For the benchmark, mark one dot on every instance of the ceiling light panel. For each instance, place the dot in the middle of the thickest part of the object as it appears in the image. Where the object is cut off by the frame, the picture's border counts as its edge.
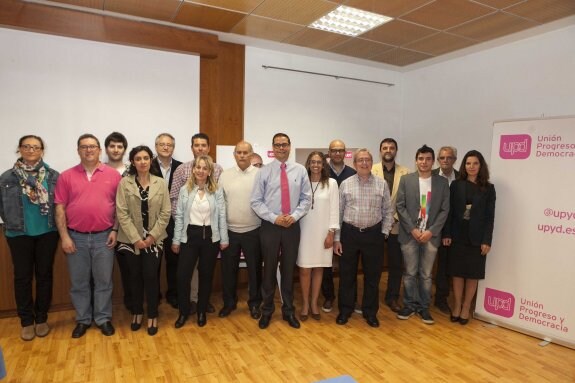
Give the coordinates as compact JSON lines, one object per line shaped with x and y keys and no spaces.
{"x":349,"y":21}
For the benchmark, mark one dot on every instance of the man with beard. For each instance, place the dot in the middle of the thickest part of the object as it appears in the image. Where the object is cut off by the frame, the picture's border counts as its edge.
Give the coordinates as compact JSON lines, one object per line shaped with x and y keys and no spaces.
{"x":391,"y":172}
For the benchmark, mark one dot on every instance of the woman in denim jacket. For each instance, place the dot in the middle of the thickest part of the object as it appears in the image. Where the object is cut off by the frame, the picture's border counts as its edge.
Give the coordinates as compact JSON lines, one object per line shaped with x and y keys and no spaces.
{"x":200,"y":232}
{"x":27,"y":209}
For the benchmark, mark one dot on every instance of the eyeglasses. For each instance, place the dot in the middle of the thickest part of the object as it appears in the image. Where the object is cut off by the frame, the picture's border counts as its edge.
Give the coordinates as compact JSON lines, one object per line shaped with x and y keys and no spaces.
{"x":165,"y":145}
{"x":337,"y":151}
{"x":88,"y":147}
{"x":448,"y":158}
{"x":33,"y":148}
{"x":282,"y":145}
{"x":364,"y":160}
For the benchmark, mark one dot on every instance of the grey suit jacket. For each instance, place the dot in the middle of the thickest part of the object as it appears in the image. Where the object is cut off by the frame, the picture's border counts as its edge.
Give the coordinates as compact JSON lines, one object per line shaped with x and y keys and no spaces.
{"x":408,"y":206}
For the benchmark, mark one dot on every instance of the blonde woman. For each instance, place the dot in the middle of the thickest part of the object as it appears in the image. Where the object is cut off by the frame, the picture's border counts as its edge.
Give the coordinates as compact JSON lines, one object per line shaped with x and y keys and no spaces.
{"x":200,"y":233}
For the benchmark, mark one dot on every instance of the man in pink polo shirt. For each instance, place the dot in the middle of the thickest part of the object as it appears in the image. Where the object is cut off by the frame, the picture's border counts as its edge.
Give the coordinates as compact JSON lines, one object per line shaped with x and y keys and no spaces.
{"x":85,"y":200}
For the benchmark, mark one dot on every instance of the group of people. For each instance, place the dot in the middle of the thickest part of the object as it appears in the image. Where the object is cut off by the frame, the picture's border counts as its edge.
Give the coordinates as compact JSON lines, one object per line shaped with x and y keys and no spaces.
{"x":277,"y":216}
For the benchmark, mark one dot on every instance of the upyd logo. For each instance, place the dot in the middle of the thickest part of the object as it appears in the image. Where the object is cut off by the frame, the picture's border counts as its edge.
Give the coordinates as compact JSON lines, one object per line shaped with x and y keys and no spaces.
{"x":515,"y":146}
{"x":499,"y":302}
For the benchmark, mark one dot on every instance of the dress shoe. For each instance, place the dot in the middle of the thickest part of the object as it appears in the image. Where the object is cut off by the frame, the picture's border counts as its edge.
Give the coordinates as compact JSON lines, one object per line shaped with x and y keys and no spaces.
{"x":153,"y":328}
{"x":202,"y":319}
{"x":342,"y":319}
{"x":42,"y":329}
{"x":463,"y":321}
{"x":255,"y":312}
{"x":454,"y":319}
{"x":303,"y":317}
{"x":136,"y":322}
{"x":291,"y":319}
{"x":226,"y":310}
{"x":265,"y":321}
{"x":80,"y":330}
{"x":27,"y":332}
{"x":181,"y":321}
{"x":210,"y":309}
{"x":107,"y":329}
{"x":327,"y":306}
{"x":371,"y":320}
{"x":394,"y":306}
{"x":314,"y":316}
{"x":193,"y":308}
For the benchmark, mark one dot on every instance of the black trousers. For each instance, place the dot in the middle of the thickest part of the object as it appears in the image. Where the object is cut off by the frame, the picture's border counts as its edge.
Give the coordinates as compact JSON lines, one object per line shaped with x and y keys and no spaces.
{"x":199,"y":248}
{"x":327,"y":287}
{"x":276,"y":240}
{"x":441,"y":277}
{"x":394,"y":269}
{"x":33,"y":257}
{"x":171,"y":264}
{"x":249,"y":243}
{"x":369,"y":245}
{"x":143,"y":276}
{"x":124,"y":266}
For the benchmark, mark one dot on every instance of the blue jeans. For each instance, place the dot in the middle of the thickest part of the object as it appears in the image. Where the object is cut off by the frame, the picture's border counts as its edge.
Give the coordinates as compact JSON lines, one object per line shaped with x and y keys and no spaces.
{"x":418,"y":259}
{"x":92,"y":257}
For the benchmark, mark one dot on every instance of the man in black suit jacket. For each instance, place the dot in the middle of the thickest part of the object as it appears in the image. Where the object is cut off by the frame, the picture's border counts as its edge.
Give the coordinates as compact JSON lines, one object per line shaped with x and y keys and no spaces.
{"x":163,"y":165}
{"x":446,"y":159}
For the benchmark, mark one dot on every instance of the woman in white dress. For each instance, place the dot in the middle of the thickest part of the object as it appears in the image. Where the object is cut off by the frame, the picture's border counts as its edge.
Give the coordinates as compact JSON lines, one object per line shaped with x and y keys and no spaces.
{"x":317,"y":230}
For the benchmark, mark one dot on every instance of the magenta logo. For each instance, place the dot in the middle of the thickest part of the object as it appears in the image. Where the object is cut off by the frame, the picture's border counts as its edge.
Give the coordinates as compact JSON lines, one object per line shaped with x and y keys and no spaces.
{"x":499,"y":302}
{"x":515,"y":146}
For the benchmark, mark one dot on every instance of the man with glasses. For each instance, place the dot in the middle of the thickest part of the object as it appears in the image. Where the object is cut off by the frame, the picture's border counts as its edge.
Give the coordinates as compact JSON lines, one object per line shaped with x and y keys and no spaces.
{"x":366,"y":218}
{"x":392,"y":172}
{"x":85,"y":198}
{"x":339,"y":171}
{"x":164,"y":165}
{"x":446,"y":160}
{"x":200,"y":147}
{"x":422,"y":207}
{"x":281,"y":197}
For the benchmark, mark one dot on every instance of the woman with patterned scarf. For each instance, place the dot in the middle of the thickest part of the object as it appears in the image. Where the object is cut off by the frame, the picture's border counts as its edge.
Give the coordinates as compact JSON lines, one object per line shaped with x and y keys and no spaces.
{"x":27,"y":209}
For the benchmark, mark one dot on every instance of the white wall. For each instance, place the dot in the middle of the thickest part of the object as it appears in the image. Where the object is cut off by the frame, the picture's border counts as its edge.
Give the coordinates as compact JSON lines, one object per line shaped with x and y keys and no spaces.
{"x":456,"y":102}
{"x":59,"y":88}
{"x":313,"y":110}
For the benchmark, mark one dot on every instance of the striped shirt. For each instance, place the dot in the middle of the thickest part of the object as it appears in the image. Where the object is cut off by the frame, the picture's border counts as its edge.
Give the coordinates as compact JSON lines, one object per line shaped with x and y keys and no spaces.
{"x":365,"y":203}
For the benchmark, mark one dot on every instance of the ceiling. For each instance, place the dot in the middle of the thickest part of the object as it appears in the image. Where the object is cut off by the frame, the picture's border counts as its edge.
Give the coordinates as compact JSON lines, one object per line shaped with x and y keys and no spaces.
{"x":420,"y":29}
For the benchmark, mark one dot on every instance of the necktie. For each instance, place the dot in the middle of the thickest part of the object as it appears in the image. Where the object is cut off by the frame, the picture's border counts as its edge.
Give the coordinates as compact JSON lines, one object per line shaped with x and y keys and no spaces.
{"x":286,"y":209}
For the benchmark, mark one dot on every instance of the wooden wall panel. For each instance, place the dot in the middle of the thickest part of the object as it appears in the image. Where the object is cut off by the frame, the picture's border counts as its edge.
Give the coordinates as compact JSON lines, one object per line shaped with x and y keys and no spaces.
{"x":222,"y":96}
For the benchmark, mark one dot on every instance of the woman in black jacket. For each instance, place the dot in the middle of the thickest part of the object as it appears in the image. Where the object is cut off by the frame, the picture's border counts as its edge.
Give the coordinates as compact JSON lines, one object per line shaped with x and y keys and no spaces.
{"x":469,"y":230}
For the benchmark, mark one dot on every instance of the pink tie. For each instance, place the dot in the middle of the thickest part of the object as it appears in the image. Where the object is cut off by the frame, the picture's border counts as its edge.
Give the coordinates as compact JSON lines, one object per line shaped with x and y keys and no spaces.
{"x":286,"y":209}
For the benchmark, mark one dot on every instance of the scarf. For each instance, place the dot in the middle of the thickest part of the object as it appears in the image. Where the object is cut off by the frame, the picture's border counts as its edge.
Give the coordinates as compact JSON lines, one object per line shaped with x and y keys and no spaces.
{"x":30,"y":178}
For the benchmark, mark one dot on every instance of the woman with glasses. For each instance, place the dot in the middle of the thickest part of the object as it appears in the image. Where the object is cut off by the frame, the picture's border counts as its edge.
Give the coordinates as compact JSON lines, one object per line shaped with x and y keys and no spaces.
{"x":27,"y":209}
{"x":318,"y":227}
{"x":200,"y":232}
{"x":469,"y":230}
{"x":143,"y":212}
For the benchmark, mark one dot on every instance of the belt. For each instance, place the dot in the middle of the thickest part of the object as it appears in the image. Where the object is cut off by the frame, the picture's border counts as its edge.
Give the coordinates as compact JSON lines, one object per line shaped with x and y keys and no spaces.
{"x":375,"y":227}
{"x":89,"y":232}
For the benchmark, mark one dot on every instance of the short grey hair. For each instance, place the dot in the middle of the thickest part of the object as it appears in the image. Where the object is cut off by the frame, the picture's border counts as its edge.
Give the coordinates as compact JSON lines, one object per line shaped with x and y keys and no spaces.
{"x":451,"y":148}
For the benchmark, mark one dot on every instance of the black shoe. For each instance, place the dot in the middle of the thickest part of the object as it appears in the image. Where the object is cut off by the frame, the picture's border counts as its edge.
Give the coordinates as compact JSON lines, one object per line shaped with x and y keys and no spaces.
{"x":443,"y":307}
{"x":153,"y":329}
{"x":226,"y":310}
{"x":454,"y":319}
{"x":80,"y":330}
{"x":292,"y":320}
{"x":210,"y":309}
{"x":107,"y":329}
{"x":371,"y":320}
{"x":135,"y":326}
{"x":202,"y":319}
{"x":463,"y":321}
{"x":193,"y":308}
{"x":265,"y":321}
{"x":341,"y":319}
{"x":255,"y":312}
{"x":181,"y":321}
